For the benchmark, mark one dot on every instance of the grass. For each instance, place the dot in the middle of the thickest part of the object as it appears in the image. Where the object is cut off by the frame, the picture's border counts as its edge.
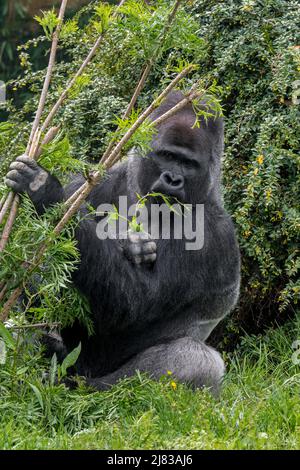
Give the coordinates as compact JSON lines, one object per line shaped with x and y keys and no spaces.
{"x":259,"y":407}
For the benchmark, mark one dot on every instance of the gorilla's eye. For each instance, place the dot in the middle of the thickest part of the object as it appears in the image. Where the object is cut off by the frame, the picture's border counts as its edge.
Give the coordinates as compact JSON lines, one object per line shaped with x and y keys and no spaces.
{"x":191,"y":164}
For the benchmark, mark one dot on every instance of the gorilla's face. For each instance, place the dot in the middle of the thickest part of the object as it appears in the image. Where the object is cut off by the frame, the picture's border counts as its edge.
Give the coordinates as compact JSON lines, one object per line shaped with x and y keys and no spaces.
{"x":178,"y":165}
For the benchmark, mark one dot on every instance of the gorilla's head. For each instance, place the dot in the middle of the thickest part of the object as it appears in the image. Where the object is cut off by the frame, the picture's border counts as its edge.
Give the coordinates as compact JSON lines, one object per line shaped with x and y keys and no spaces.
{"x":185,"y":160}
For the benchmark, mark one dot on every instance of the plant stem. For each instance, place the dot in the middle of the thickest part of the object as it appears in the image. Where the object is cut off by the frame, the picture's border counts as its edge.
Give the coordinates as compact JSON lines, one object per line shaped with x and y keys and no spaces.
{"x":6,"y":206}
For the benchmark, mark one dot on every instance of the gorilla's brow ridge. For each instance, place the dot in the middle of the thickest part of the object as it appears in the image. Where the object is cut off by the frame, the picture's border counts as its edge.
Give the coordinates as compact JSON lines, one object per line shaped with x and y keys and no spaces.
{"x":176,"y":152}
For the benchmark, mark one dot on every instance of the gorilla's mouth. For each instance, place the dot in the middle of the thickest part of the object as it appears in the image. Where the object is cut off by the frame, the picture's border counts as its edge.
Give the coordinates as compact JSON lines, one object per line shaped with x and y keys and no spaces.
{"x":174,"y":192}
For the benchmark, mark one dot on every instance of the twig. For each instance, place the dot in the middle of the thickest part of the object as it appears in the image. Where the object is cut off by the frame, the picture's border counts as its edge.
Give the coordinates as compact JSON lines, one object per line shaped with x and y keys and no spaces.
{"x":6,"y":206}
{"x":48,"y":77}
{"x":9,"y":223}
{"x":146,"y":114}
{"x":2,"y":201}
{"x":35,"y":325}
{"x":51,"y":134}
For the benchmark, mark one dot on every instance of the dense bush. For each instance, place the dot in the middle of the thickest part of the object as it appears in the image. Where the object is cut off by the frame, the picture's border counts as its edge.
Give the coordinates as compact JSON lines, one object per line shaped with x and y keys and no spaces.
{"x":254,"y":53}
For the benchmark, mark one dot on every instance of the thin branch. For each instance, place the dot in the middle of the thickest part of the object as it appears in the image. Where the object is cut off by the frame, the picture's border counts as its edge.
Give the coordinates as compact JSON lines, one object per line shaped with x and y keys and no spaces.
{"x":153,"y":59}
{"x":51,"y":134}
{"x":6,"y":206}
{"x":35,"y":134}
{"x":35,"y":325}
{"x":146,"y":114}
{"x":79,"y":72}
{"x":48,"y":77}
{"x":146,"y":71}
{"x":2,"y":201}
{"x":9,"y":223}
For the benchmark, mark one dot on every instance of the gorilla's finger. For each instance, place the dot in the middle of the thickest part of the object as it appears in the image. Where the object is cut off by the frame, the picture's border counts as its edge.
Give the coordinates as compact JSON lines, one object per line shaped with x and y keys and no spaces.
{"x":13,"y":175}
{"x":149,"y":247}
{"x":136,"y":237}
{"x":133,"y":237}
{"x":13,"y":185}
{"x":20,"y":166}
{"x":28,"y":161}
{"x":149,"y":258}
{"x":144,"y":236}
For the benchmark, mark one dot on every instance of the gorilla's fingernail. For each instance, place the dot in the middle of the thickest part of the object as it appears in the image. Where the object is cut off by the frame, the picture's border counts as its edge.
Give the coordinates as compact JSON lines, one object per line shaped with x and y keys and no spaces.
{"x":150,"y":258}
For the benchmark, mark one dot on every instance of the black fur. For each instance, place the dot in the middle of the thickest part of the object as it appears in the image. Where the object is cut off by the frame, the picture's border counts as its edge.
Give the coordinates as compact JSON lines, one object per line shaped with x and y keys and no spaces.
{"x":153,"y":317}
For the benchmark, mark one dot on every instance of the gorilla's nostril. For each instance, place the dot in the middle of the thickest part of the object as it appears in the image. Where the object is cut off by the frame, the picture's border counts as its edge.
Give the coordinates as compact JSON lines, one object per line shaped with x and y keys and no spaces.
{"x":176,"y":181}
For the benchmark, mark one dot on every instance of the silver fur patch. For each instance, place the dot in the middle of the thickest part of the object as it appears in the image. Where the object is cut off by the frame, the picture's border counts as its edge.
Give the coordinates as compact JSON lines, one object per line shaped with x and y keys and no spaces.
{"x":39,"y":181}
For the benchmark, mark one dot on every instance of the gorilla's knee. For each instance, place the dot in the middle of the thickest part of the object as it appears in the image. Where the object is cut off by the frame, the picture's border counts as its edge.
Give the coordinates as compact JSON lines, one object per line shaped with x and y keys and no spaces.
{"x":198,"y":364}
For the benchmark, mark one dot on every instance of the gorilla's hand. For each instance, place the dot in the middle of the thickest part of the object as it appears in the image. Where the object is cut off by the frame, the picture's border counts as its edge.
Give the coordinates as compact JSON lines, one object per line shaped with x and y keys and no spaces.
{"x":26,"y":176}
{"x":139,"y":248}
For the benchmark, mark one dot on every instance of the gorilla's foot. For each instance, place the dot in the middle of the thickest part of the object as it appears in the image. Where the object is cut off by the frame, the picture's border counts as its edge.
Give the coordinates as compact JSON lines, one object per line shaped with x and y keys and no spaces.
{"x":191,"y":362}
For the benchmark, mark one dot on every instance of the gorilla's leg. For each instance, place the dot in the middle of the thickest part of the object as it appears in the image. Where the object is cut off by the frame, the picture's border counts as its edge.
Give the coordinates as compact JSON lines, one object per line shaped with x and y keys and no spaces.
{"x":190,"y":361}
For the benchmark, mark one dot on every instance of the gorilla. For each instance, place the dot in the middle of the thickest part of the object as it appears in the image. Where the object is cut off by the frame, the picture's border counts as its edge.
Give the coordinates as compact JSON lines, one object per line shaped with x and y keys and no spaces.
{"x":153,"y":302}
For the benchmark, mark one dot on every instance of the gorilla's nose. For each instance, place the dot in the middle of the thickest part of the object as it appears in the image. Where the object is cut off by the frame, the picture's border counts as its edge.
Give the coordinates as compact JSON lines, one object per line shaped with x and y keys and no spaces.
{"x":172,"y":181}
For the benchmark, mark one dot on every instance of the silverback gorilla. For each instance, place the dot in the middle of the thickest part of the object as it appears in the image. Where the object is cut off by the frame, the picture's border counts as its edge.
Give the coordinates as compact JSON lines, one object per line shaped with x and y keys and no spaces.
{"x":154,"y":303}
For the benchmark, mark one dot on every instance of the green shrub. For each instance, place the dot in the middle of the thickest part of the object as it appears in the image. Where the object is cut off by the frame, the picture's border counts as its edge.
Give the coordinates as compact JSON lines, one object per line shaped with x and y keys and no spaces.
{"x":254,"y":54}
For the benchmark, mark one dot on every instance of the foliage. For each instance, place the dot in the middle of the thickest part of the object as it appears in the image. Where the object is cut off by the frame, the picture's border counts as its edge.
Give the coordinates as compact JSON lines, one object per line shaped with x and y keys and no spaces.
{"x":48,"y":21}
{"x":254,"y":55}
{"x":258,"y":409}
{"x":9,"y":23}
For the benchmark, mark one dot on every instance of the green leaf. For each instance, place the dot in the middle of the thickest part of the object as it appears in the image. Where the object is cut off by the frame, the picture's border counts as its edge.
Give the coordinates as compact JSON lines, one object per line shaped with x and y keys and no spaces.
{"x":2,"y":352}
{"x":70,"y":360}
{"x":7,"y":337}
{"x":53,"y":369}
{"x":37,"y":394}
